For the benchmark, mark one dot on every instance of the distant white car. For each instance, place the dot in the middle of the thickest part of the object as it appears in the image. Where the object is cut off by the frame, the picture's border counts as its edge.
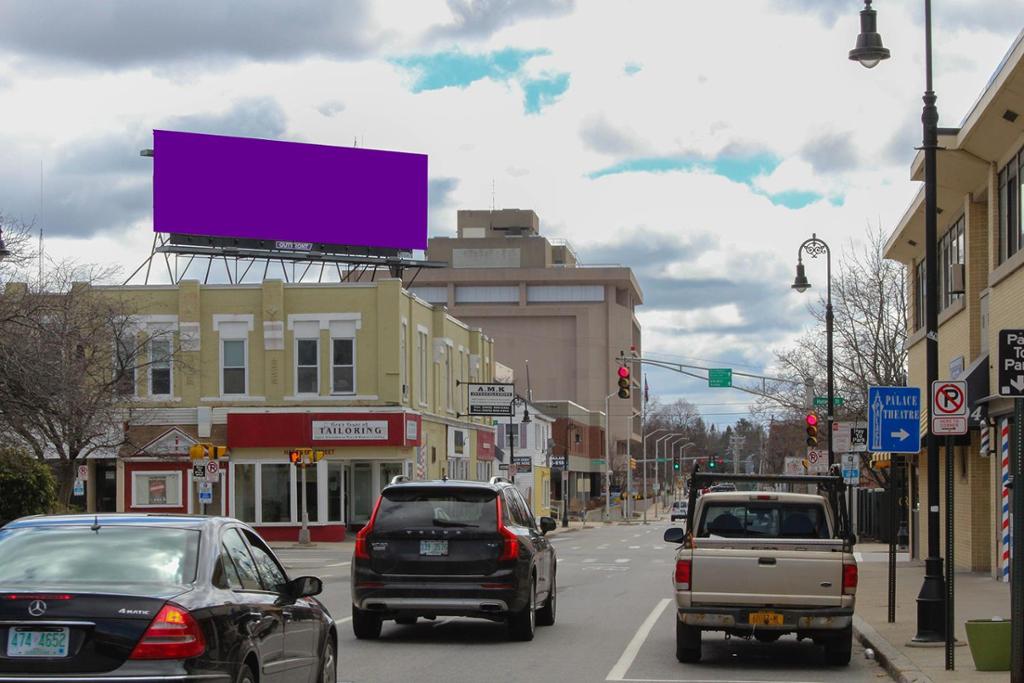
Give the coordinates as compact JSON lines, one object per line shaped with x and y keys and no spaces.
{"x":679,"y":510}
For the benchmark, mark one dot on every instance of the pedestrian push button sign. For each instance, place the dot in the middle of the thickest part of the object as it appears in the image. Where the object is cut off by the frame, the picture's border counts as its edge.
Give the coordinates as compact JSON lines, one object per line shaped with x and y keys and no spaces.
{"x":894,"y":419}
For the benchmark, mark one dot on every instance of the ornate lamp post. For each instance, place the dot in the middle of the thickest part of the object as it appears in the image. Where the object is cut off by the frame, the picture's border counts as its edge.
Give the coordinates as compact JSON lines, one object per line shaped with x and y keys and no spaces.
{"x":931,"y":601}
{"x":815,"y":247}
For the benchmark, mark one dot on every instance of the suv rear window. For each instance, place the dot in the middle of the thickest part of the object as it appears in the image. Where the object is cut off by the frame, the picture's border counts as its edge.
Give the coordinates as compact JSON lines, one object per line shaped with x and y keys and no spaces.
{"x":417,"y":508}
{"x":763,"y":520}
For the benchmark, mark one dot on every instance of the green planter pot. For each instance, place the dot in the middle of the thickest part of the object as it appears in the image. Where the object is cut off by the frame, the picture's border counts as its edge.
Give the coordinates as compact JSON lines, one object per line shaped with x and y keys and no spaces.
{"x":990,"y":644}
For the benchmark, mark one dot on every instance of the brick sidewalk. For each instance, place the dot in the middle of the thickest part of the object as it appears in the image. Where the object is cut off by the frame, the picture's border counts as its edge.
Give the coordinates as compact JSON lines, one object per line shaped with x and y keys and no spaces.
{"x":978,"y":596}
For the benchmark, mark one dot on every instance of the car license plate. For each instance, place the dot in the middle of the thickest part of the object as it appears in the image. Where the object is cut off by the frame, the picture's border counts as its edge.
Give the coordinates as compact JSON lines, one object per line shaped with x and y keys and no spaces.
{"x":24,"y":641}
{"x":434,"y":548}
{"x":765,"y":619}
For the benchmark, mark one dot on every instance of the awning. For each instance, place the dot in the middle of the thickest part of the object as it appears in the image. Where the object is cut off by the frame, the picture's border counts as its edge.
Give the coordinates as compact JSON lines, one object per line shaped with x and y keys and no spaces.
{"x":976,"y":377}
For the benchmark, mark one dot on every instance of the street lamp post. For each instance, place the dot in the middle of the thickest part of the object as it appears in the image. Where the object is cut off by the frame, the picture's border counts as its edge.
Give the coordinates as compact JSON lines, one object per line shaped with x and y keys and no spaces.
{"x":815,"y":247}
{"x":570,"y":428}
{"x":512,"y":438}
{"x":608,"y":457}
{"x":646,"y":437}
{"x":931,"y":601}
{"x":680,"y":457}
{"x":665,"y":450}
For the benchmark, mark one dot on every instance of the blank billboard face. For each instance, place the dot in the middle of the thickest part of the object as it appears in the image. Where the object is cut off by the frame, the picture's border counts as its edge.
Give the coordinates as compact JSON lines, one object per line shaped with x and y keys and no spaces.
{"x":218,"y":186}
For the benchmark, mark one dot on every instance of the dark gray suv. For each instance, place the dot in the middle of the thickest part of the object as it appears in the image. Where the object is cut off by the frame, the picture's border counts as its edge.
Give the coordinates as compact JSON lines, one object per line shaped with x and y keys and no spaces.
{"x":453,"y":548}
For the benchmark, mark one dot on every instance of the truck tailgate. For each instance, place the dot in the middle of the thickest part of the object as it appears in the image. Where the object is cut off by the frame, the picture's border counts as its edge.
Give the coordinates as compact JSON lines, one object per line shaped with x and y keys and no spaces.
{"x":782,"y":573}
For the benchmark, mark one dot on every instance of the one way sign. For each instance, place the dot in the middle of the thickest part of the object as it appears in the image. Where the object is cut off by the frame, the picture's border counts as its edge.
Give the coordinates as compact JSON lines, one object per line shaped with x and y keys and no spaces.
{"x":1011,"y":362}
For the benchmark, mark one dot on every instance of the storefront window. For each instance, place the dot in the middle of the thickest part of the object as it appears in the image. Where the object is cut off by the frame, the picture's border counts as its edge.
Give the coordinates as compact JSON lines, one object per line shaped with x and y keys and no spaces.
{"x":156,"y":488}
{"x":311,"y":498}
{"x":335,"y":481}
{"x":245,"y":492}
{"x":362,"y":492}
{"x":389,"y":471}
{"x":275,"y":504}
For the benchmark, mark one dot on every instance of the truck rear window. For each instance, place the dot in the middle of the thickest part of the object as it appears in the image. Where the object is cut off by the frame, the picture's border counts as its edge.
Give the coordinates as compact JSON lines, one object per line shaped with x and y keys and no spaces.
{"x":417,"y":509}
{"x":763,"y":520}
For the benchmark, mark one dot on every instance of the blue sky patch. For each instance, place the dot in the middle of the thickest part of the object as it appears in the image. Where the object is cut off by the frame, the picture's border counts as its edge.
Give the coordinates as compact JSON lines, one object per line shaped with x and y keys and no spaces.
{"x":459,"y":69}
{"x":632,"y":68}
{"x":794,"y":199}
{"x":540,"y":92}
{"x":738,"y":168}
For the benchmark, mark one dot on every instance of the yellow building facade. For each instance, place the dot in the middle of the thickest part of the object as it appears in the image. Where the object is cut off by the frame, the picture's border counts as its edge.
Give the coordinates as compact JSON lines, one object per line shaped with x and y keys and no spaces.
{"x":365,"y":373}
{"x":981,"y":291}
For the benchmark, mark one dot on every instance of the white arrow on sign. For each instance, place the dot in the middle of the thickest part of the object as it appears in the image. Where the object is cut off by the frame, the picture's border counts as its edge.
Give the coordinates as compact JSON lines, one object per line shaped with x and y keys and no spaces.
{"x":901,"y":435}
{"x":1018,"y":382}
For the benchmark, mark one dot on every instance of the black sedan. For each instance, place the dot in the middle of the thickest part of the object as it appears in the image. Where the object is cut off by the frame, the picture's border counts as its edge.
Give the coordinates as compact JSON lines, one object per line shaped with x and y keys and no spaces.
{"x":137,"y":597}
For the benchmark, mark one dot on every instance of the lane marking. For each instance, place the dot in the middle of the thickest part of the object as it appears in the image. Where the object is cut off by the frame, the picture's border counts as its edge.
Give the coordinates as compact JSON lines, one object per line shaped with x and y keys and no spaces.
{"x":634,"y":547}
{"x":859,"y":557}
{"x":659,"y":547}
{"x":575,"y":547}
{"x":342,"y":621}
{"x":590,"y":559}
{"x":700,"y":680}
{"x":622,"y":560}
{"x":618,"y":672}
{"x":560,"y":559}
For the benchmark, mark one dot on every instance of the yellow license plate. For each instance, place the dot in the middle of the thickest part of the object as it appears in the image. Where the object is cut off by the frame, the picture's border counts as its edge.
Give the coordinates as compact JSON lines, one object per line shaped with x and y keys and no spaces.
{"x":765,"y":619}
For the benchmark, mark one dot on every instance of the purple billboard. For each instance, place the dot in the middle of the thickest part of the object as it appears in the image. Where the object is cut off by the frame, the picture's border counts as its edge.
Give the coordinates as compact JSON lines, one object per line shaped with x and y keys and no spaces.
{"x":228,"y":187}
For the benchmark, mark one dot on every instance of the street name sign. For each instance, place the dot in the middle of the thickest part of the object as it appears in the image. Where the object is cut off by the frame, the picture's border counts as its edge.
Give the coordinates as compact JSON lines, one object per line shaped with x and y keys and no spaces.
{"x":850,"y":463}
{"x":949,"y":407}
{"x":491,"y":399}
{"x":720,"y":378}
{"x":820,"y":401}
{"x":1011,"y":362}
{"x":894,"y":419}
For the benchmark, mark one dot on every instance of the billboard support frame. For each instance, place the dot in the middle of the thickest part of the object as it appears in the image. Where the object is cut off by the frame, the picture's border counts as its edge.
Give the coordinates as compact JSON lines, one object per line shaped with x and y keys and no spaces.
{"x":396,"y":262}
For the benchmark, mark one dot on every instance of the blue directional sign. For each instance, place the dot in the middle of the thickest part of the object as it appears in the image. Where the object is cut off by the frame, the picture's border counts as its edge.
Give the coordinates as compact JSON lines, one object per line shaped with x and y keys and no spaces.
{"x":894,"y":419}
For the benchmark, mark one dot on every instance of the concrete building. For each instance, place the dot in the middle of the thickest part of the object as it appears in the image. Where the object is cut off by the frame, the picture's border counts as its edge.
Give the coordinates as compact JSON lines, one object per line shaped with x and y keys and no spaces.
{"x":533,"y":297}
{"x":365,"y":372}
{"x":981,"y":290}
{"x":580,"y":434}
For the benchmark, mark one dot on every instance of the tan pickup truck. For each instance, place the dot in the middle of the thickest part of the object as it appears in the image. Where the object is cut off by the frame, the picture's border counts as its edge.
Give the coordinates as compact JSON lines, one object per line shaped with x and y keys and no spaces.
{"x":764,"y":563}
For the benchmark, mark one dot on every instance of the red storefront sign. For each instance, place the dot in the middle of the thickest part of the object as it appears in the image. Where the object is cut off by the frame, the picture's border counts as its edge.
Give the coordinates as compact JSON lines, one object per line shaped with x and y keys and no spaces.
{"x":485,"y":445}
{"x":288,"y":430}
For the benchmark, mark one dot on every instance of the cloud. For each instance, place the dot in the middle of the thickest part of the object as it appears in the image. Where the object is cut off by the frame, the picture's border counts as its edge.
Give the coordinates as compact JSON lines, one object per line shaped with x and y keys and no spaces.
{"x":901,"y":146}
{"x":481,"y":18}
{"x":331,"y":108}
{"x":544,"y":91}
{"x":101,"y":184}
{"x":439,"y":205}
{"x":830,"y":152}
{"x":602,"y":137}
{"x":828,"y":11}
{"x":128,"y":33}
{"x":459,"y":69}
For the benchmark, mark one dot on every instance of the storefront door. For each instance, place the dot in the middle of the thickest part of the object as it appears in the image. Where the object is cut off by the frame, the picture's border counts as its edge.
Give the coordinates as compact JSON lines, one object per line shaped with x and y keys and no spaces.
{"x":363,"y":495}
{"x":105,"y":474}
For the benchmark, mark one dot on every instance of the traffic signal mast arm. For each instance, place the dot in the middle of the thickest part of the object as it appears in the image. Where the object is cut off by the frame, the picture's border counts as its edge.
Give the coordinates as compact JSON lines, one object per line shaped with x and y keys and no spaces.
{"x":678,"y":367}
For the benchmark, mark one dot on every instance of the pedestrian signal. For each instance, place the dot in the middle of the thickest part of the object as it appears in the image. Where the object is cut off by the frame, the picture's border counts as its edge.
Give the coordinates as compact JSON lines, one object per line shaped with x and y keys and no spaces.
{"x":295,"y":457}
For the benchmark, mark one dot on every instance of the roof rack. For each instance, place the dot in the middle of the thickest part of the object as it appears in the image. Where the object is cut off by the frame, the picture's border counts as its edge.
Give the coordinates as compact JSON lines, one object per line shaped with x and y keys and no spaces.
{"x":500,"y":480}
{"x":399,"y":479}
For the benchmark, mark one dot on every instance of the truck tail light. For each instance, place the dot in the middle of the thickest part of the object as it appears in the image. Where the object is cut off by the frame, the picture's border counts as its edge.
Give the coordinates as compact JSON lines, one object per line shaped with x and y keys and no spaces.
{"x":510,"y":542}
{"x":683,"y":574}
{"x":849,"y":579}
{"x":362,"y":552}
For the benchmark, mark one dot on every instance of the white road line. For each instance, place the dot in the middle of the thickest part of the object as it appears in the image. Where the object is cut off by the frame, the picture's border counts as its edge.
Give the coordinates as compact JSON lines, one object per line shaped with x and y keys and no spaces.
{"x":859,"y":557}
{"x":342,"y":621}
{"x":659,"y":547}
{"x":590,"y":559}
{"x":622,"y":560}
{"x":697,"y":680}
{"x":339,"y":564}
{"x":575,"y":547}
{"x":634,"y":547}
{"x":560,"y":559}
{"x":603,"y":547}
{"x":618,"y":672}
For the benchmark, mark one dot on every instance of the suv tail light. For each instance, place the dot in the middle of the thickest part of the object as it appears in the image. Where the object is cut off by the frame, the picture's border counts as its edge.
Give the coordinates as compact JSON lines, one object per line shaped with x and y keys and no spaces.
{"x":683,"y":574}
{"x":849,"y":579}
{"x":362,"y":552}
{"x":173,"y":634}
{"x":510,"y":544}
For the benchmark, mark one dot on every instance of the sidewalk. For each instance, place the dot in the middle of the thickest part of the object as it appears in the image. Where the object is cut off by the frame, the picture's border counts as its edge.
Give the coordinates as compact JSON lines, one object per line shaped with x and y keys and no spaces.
{"x":978,"y":596}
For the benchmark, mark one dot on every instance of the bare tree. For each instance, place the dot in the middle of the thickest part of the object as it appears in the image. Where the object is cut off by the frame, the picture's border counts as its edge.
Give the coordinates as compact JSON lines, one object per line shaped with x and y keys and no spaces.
{"x":69,"y":355}
{"x":17,"y":238}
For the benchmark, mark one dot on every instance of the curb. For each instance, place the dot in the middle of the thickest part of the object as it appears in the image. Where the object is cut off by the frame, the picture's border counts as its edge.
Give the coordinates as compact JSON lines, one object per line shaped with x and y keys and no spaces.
{"x":896,"y":664}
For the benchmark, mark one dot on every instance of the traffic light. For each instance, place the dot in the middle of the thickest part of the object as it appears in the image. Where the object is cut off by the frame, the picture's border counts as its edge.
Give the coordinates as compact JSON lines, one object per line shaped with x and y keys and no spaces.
{"x":295,"y":457}
{"x":624,"y":382}
{"x":675,"y":465}
{"x":711,"y":463}
{"x":318,"y":455}
{"x":218,"y":452}
{"x":632,"y":463}
{"x":197,"y":451}
{"x":812,"y":430}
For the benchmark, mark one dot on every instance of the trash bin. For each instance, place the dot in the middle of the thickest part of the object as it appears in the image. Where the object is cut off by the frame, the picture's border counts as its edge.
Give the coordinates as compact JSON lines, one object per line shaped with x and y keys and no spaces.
{"x":989,"y":640}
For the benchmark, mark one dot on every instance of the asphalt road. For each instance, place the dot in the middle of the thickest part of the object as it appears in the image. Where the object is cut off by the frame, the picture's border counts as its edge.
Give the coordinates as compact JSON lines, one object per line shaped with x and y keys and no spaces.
{"x":614,"y":623}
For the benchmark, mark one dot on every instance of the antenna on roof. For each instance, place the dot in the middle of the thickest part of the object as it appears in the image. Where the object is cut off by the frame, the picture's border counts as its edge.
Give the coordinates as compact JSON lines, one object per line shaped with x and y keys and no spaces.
{"x":95,"y":524}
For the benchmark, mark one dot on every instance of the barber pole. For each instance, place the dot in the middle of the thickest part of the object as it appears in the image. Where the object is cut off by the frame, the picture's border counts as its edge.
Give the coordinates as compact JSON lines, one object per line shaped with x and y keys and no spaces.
{"x":1004,"y":448}
{"x":985,"y":441}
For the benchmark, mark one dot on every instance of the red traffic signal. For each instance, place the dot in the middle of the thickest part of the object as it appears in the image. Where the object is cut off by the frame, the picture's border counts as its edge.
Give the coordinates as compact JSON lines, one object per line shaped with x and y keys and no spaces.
{"x":624,"y":382}
{"x":812,"y":430}
{"x":624,"y":372}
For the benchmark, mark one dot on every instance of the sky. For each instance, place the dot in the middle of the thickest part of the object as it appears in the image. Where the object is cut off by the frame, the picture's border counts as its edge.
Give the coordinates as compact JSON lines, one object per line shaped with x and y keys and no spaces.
{"x":697,"y":142}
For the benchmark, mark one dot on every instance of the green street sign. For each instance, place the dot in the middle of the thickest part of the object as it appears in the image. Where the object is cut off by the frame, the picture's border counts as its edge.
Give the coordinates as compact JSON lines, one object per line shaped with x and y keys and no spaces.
{"x":720,"y":378}
{"x":823,"y":401}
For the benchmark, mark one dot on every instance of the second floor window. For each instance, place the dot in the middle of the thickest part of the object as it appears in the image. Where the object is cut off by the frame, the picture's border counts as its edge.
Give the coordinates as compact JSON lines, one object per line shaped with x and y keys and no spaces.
{"x":307,"y":369}
{"x":233,"y":370}
{"x":124,"y":365}
{"x":343,"y":366}
{"x":1011,"y":227}
{"x":160,"y":366}
{"x":423,"y":363}
{"x":951,"y":253}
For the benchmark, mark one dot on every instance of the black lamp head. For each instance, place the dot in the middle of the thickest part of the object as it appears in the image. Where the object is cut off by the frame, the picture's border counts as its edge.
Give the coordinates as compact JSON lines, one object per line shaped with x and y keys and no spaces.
{"x":801,"y":284}
{"x":869,"y":51}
